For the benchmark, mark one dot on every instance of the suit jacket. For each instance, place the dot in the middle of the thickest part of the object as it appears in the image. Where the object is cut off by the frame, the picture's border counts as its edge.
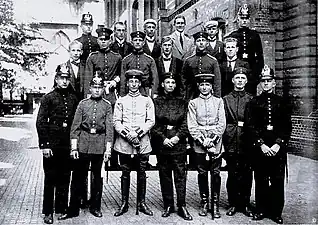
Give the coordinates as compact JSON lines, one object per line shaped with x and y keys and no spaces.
{"x":217,"y":52}
{"x":156,"y":51}
{"x":227,"y":74}
{"x":177,"y":50}
{"x":175,"y":68}
{"x":77,"y":82}
{"x":125,"y":50}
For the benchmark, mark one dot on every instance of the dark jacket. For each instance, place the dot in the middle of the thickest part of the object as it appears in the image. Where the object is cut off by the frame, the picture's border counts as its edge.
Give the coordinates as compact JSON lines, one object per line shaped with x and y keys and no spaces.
{"x":125,"y":49}
{"x":217,"y":52}
{"x":77,"y":82}
{"x":234,"y":106}
{"x":156,"y":51}
{"x":89,"y":43}
{"x":55,"y":118}
{"x":171,"y":120}
{"x":268,"y":121}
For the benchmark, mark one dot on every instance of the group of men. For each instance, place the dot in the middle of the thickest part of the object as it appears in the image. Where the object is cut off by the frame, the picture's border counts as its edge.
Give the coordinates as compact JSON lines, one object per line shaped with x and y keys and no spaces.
{"x":105,"y":103}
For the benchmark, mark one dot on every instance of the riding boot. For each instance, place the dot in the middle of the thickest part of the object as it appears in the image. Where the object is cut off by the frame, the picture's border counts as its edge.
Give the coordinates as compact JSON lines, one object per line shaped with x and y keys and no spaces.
{"x":204,"y":194}
{"x":125,"y":183}
{"x":141,"y":187}
{"x":216,"y":196}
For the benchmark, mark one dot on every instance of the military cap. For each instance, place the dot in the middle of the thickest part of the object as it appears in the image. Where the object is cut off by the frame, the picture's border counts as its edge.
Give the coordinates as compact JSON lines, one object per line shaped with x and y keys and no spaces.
{"x":168,"y":75}
{"x":139,"y":34}
{"x":200,"y":34}
{"x":244,"y":12}
{"x":211,"y":23}
{"x":267,"y":73}
{"x":204,"y":77}
{"x":97,"y":80}
{"x":63,"y":71}
{"x":240,"y":70}
{"x":87,"y":18}
{"x":150,"y":21}
{"x":230,"y":39}
{"x":104,"y":32}
{"x":133,"y":73}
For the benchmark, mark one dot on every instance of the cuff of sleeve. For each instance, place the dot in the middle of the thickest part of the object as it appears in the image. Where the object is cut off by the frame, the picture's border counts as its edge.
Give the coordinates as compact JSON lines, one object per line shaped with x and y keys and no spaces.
{"x":279,"y":141}
{"x":140,"y":132}
{"x":108,"y":148}
{"x":259,"y":142}
{"x":201,"y":140}
{"x":124,"y":132}
{"x":215,"y":138}
{"x":117,"y":79}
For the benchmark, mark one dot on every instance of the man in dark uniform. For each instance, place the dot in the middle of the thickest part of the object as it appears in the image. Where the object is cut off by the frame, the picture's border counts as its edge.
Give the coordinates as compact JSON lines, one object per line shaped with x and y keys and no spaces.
{"x":168,"y":63}
{"x":53,"y":126}
{"x":215,"y":47}
{"x":120,"y":44}
{"x":89,"y":42}
{"x":206,"y":124}
{"x":230,"y":64}
{"x":91,"y":140}
{"x":140,"y":61}
{"x":237,"y":154}
{"x":105,"y":62}
{"x":134,"y":116}
{"x":249,"y":48}
{"x":152,"y":46}
{"x":269,"y":129}
{"x":199,"y":63}
{"x":76,"y":68}
{"x":169,"y":135}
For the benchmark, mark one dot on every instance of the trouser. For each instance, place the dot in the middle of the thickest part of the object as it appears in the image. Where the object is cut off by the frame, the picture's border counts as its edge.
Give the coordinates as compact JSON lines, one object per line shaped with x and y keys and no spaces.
{"x":79,"y":178}
{"x":204,"y":166}
{"x":269,"y":184}
{"x":239,"y":180}
{"x":127,"y":164}
{"x":57,"y":174}
{"x":176,"y":164}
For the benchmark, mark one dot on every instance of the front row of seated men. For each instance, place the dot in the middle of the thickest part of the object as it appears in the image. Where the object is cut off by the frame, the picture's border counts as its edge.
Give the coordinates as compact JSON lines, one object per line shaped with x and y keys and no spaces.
{"x":251,"y":132}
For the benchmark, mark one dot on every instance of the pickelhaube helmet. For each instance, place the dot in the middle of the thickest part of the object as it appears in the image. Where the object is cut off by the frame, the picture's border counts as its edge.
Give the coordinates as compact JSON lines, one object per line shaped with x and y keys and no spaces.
{"x":244,"y":12}
{"x":267,"y":73}
{"x":63,"y":71}
{"x":87,"y":18}
{"x":97,"y":80}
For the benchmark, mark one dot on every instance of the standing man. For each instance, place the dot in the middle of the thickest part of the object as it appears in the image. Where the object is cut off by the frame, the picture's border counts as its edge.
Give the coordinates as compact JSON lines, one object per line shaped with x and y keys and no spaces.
{"x":91,"y":141}
{"x":215,"y":47}
{"x":169,"y":135}
{"x":237,"y":152}
{"x":76,"y":68}
{"x":206,"y":124}
{"x":105,"y":62}
{"x":168,"y":63}
{"x":140,"y":61}
{"x":120,"y":44}
{"x":53,"y":126}
{"x":182,"y":43}
{"x":151,"y":46}
{"x":249,"y":48}
{"x":269,"y":129}
{"x":199,"y":63}
{"x":134,"y":116}
{"x":230,"y":65}
{"x":88,"y":41}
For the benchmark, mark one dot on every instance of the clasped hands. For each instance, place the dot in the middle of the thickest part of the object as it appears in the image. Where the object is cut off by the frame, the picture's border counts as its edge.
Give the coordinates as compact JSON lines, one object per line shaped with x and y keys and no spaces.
{"x":267,"y":151}
{"x":170,"y":142}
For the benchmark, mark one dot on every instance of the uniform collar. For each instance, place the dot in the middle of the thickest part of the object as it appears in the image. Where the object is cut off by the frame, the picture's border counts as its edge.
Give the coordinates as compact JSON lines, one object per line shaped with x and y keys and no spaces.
{"x":205,"y":96}
{"x":238,"y":93}
{"x":134,"y":94}
{"x":201,"y":53}
{"x":139,"y":52}
{"x":96,"y":99}
{"x":104,"y":50}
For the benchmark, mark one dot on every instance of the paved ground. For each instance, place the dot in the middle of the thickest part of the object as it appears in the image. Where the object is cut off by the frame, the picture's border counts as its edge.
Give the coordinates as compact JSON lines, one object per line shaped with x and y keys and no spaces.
{"x":21,"y":188}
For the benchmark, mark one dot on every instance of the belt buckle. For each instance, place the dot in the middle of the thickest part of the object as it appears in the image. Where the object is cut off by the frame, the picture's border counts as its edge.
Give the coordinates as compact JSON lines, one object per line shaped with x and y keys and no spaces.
{"x":269,"y":127}
{"x":240,"y":123}
{"x":93,"y":131}
{"x":169,"y":127}
{"x":64,"y":124}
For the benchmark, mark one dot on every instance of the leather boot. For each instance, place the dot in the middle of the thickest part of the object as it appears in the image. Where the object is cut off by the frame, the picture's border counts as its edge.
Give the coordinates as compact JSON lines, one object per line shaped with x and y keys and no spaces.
{"x":125,"y":183}
{"x":141,"y":186}
{"x":204,"y":207}
{"x":215,"y":190}
{"x":216,"y":199}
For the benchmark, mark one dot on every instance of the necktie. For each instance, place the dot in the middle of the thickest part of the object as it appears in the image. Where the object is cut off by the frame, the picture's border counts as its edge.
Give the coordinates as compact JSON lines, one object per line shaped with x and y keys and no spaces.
{"x":181,"y":40}
{"x":75,"y":63}
{"x":166,"y":59}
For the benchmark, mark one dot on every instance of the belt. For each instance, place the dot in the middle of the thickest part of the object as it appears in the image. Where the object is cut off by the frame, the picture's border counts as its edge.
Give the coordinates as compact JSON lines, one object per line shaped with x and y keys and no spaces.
{"x":60,"y":124}
{"x":93,"y":130}
{"x":239,"y":123}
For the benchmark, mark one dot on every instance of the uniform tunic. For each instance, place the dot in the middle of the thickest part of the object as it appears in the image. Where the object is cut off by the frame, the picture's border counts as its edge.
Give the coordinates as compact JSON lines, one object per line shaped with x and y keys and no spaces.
{"x":250,"y":49}
{"x":92,"y":125}
{"x":145,"y":63}
{"x":269,"y":122}
{"x":53,"y":126}
{"x":109,"y":64}
{"x":89,"y":43}
{"x":206,"y":118}
{"x":199,"y":63}
{"x":123,"y":49}
{"x":237,"y":152}
{"x":133,"y":111}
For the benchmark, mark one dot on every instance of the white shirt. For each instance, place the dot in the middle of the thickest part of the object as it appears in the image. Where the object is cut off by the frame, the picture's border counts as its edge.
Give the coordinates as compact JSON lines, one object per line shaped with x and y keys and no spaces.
{"x":166,"y":63}
{"x":75,"y":69}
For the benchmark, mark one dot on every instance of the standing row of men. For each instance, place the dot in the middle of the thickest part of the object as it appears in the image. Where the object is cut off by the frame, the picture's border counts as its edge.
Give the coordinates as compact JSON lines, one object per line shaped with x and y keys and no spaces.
{"x":202,"y":71}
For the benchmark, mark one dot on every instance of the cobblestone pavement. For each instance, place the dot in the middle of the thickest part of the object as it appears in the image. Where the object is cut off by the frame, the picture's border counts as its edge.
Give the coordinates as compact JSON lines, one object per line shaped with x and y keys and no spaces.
{"x":21,"y":192}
